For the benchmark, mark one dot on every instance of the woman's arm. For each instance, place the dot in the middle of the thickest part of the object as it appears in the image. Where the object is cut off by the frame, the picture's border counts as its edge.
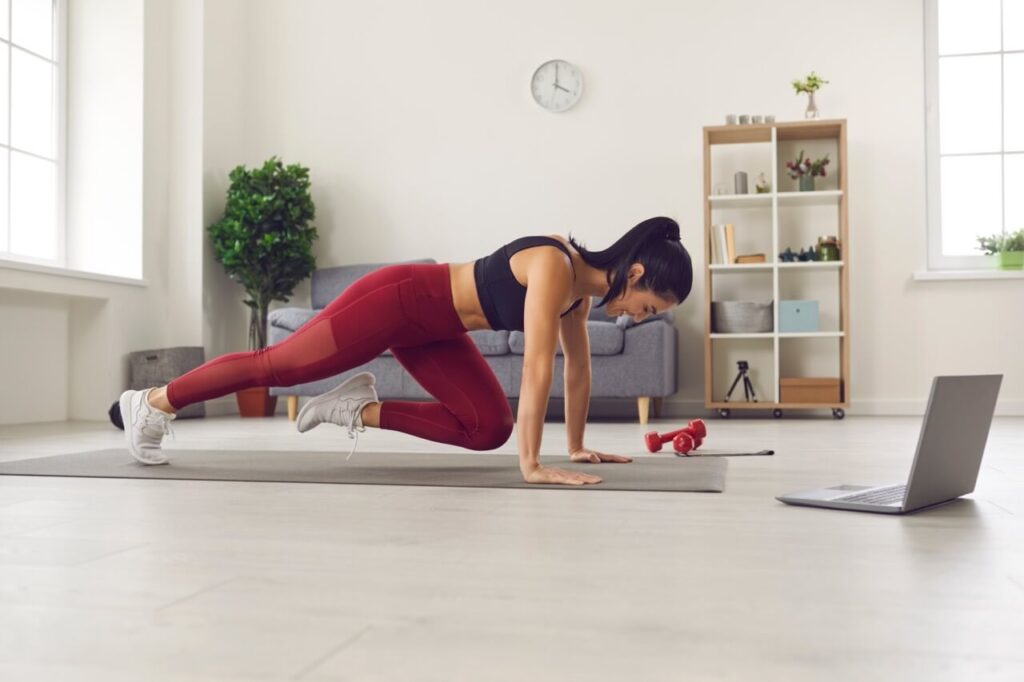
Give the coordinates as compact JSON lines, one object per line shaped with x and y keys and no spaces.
{"x":576,"y":349}
{"x":576,"y":352}
{"x":548,"y":286}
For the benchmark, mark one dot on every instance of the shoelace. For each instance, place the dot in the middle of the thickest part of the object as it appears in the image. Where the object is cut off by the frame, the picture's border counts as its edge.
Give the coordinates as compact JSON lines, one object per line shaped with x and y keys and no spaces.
{"x":353,"y":432}
{"x":351,"y":428}
{"x":161,"y":421}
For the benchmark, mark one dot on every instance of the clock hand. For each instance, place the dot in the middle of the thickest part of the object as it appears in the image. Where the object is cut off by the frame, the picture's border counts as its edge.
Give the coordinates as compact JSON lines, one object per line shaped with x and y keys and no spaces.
{"x":561,"y":88}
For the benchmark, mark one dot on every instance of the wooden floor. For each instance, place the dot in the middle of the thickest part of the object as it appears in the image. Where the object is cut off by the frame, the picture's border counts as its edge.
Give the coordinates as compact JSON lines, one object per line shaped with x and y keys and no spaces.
{"x":182,"y":580}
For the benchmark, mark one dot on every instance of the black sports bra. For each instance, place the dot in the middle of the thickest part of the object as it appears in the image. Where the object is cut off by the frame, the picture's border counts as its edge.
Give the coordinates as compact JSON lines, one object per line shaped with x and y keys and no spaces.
{"x":502,"y":297}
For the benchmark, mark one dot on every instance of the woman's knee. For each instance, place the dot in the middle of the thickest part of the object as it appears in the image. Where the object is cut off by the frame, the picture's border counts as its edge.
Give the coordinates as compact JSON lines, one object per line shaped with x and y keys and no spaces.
{"x":493,"y":431}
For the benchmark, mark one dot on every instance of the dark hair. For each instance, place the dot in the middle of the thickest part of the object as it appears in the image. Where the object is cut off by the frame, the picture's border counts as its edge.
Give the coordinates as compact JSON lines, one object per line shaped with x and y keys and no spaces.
{"x":655,"y":244}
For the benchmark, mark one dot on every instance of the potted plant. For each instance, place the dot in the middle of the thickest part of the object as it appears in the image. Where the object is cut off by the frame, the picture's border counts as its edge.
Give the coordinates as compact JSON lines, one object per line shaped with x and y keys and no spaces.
{"x":811,"y":84}
{"x":264,"y":241}
{"x":806,"y":170}
{"x":1008,"y":249}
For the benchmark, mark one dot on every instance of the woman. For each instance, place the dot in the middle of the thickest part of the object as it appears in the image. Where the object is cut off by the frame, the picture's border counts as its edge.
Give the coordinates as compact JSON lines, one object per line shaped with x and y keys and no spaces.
{"x":540,"y":285}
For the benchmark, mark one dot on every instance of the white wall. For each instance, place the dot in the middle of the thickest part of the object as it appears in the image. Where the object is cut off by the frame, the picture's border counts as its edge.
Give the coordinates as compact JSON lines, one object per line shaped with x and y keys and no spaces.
{"x":35,"y":326}
{"x":417,"y":124}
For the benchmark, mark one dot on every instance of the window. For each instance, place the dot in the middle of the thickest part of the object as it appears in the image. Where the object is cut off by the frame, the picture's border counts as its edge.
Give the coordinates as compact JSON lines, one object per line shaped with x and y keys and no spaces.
{"x":974,"y":62}
{"x":975,"y":125}
{"x":31,"y":111}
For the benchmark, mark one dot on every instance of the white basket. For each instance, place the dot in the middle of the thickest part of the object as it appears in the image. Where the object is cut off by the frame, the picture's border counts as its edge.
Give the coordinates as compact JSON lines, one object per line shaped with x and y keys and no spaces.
{"x":741,"y":317}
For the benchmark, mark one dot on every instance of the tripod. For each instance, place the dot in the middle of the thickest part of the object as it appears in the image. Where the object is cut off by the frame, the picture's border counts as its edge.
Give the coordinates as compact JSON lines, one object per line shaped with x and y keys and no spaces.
{"x":748,"y":388}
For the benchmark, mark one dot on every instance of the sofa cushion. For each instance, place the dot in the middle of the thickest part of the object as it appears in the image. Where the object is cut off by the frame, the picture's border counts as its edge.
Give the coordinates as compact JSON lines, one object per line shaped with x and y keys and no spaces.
{"x":327,"y":283}
{"x":490,"y":342}
{"x":605,"y":339}
{"x":290,"y":318}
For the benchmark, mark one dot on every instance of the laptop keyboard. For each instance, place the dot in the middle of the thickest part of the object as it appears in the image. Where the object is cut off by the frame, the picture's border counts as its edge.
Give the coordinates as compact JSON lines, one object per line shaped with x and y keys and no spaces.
{"x":877,"y":496}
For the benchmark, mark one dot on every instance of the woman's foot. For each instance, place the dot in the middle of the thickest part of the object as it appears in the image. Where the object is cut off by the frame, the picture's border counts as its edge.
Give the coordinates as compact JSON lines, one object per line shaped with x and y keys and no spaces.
{"x":342,"y":405}
{"x":144,"y":427}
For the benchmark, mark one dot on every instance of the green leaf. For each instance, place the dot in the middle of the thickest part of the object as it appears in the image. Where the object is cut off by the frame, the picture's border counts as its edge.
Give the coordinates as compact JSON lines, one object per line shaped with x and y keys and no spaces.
{"x":265,"y":238}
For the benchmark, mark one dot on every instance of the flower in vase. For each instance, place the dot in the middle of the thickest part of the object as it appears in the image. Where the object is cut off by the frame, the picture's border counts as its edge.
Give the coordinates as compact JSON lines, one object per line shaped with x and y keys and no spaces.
{"x":803,"y":166}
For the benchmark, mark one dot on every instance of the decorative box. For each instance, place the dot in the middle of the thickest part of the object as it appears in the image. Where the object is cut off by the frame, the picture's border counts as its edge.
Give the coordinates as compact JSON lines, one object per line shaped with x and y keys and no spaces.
{"x":811,"y":390}
{"x":798,"y":316}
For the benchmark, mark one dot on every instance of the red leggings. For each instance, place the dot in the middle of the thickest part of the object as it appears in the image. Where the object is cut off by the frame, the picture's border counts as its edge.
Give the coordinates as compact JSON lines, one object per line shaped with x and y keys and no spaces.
{"x":407,"y":308}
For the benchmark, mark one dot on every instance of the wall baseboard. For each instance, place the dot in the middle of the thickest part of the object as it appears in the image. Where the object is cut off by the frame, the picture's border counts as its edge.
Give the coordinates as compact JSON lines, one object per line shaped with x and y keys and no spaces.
{"x":858,"y":408}
{"x":626,"y":408}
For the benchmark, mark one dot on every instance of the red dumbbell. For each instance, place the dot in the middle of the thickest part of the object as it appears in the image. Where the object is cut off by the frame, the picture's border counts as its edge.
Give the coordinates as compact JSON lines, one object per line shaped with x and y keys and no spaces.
{"x":691,"y":438}
{"x":683,"y":440}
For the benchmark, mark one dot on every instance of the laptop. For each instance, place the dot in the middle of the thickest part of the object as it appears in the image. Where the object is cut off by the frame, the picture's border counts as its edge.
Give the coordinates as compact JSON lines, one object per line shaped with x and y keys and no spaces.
{"x":949,"y":450}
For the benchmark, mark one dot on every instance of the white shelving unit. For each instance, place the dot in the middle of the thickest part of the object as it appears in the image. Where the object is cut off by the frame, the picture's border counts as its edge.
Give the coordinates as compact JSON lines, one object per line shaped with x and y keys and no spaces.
{"x":831,"y":132}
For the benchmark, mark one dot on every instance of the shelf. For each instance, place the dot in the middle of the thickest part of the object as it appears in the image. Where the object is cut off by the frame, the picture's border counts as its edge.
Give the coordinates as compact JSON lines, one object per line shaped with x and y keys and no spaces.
{"x":811,"y":335}
{"x":739,"y":134}
{"x":746,"y":267}
{"x":740,"y":200}
{"x":817,"y":197}
{"x":809,"y":130}
{"x":744,"y":405}
{"x":766,"y":267}
{"x":825,"y":196}
{"x":765,"y":335}
{"x":781,"y":335}
{"x":776,"y":219}
{"x":811,"y":265}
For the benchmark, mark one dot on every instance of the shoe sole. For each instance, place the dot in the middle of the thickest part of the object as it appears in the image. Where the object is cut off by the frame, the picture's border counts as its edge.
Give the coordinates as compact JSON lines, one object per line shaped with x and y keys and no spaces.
{"x":365,"y":379}
{"x":127,"y":418}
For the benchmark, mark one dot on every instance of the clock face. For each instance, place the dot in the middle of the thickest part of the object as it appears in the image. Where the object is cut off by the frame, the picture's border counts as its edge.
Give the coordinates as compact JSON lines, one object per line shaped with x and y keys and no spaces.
{"x":557,"y":85}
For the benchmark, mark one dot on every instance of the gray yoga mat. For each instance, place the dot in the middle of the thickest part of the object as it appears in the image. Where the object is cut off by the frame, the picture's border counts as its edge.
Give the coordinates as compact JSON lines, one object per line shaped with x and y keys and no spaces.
{"x":472,"y":470}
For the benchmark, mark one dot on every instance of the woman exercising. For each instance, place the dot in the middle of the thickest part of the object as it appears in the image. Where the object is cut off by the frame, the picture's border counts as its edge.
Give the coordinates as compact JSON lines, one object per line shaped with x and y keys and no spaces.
{"x":422,"y":312}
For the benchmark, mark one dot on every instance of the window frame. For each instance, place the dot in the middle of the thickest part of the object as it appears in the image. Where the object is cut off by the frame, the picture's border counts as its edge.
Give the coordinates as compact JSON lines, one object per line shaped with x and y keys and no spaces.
{"x":60,"y":53}
{"x":933,"y":157}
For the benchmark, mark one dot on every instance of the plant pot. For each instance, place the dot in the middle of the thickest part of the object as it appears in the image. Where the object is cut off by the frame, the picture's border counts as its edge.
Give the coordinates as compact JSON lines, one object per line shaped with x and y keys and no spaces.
{"x":806,"y":182}
{"x":1010,"y":260}
{"x":256,"y":402}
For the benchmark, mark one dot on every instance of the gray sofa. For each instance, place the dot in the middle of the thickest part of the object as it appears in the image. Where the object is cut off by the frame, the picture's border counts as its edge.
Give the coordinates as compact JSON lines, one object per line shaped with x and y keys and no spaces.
{"x":636,"y":361}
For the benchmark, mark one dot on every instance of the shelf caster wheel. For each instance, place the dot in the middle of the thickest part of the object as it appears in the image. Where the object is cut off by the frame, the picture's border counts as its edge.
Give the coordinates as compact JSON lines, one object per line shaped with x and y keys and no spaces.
{"x":838,"y":413}
{"x":724,"y":414}
{"x":777,"y":413}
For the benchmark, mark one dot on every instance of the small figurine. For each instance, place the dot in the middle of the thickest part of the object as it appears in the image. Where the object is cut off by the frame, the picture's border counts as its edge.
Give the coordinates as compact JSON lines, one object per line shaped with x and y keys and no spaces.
{"x":805,"y":256}
{"x":787,"y":256}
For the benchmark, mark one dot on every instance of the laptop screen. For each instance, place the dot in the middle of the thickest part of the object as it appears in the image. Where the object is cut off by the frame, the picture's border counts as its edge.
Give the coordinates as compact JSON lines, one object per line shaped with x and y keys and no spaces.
{"x":952,"y":439}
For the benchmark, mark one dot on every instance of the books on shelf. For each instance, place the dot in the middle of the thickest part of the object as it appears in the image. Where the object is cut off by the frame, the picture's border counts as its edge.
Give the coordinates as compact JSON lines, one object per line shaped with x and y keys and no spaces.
{"x":723,"y":244}
{"x":752,"y":258}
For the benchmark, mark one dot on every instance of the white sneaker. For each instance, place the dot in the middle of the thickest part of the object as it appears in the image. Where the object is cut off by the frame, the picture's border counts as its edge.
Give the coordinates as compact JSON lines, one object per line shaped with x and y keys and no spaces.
{"x":342,"y":405}
{"x":144,"y":426}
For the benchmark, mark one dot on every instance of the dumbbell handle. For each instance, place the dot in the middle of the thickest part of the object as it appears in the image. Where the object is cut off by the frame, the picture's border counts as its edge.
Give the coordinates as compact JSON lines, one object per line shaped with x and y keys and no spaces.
{"x":696,"y":427}
{"x":654,"y":439}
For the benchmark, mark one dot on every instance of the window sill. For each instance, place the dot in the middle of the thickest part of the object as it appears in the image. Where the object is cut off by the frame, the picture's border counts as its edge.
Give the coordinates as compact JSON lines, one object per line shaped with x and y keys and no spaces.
{"x":936,"y":275}
{"x":74,"y":274}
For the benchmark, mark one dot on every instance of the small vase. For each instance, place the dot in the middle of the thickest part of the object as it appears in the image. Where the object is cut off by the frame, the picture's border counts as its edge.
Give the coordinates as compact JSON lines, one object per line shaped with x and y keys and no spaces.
{"x":806,"y":182}
{"x":812,"y":108}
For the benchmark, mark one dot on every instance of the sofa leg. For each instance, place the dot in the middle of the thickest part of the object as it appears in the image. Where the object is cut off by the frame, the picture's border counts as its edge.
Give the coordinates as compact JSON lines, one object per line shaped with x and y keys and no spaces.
{"x":658,"y":404}
{"x":293,"y":407}
{"x":643,"y":404}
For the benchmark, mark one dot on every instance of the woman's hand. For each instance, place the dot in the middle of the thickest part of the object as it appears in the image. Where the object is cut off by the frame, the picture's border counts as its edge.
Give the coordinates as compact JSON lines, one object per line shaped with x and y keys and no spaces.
{"x":561,"y":476}
{"x":595,"y":457}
